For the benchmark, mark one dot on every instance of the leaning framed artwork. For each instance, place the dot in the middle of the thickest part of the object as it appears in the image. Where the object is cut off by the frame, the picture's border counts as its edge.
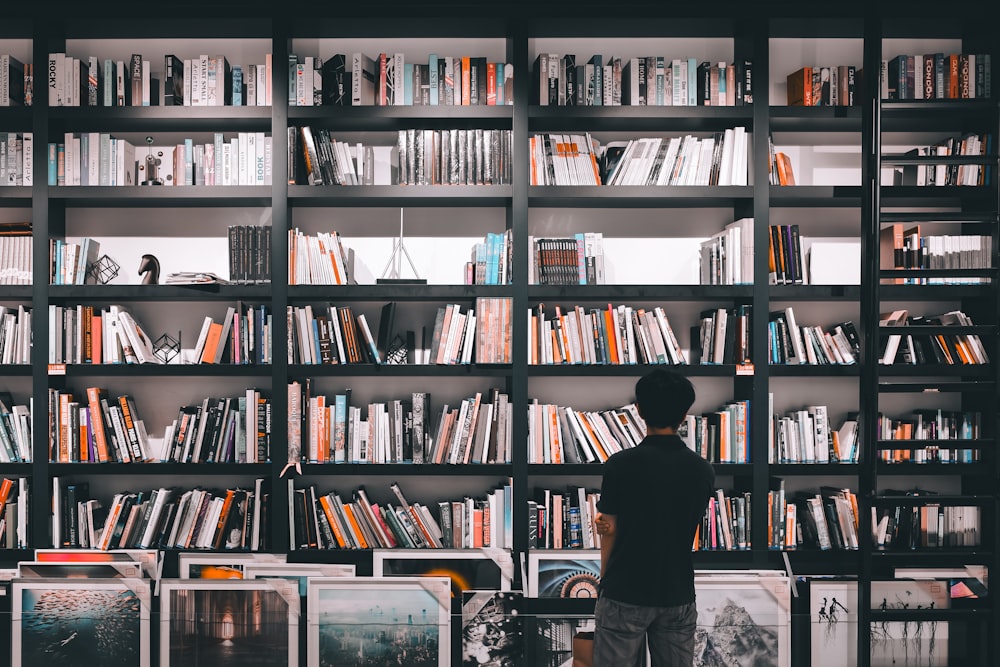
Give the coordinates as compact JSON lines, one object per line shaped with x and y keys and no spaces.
{"x":221,"y":566}
{"x":564,"y":574}
{"x":350,"y":618}
{"x":229,"y":623}
{"x":80,"y":622}
{"x":300,"y":573}
{"x":923,"y":642}
{"x":733,"y":609}
{"x":468,"y":569}
{"x":833,"y":623}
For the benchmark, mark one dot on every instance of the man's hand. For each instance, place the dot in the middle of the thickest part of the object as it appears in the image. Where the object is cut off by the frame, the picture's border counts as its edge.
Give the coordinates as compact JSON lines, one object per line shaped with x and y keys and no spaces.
{"x":604,"y":524}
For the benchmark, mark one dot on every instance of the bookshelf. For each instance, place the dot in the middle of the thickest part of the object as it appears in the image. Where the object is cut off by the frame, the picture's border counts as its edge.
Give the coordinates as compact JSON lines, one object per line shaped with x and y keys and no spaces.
{"x":843,"y":158}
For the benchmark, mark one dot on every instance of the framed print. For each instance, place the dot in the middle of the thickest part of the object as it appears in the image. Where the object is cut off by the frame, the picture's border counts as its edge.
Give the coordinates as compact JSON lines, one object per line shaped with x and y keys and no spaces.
{"x":909,"y":643}
{"x":229,"y":623}
{"x":492,"y":629}
{"x":221,"y":566}
{"x":833,"y":623}
{"x":564,"y":574}
{"x":80,"y":622}
{"x":389,"y":621}
{"x":297,"y":572}
{"x":150,"y":559}
{"x":74,"y":570}
{"x":551,"y":641}
{"x":468,"y":569}
{"x":731,"y":609}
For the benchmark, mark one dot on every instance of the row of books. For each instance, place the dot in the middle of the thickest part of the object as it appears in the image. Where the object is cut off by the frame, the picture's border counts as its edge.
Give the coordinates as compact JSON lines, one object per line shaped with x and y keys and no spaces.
{"x":203,"y":80}
{"x":71,"y":263}
{"x":716,"y":159}
{"x":249,"y":254}
{"x":908,"y":248}
{"x":15,"y":430}
{"x":563,"y":519}
{"x":567,"y":260}
{"x":726,"y":524}
{"x":388,"y":79}
{"x":243,"y":337}
{"x":789,"y":343}
{"x":491,"y":260}
{"x":722,"y":436}
{"x":338,"y":337}
{"x":318,"y":260}
{"x":558,"y":434}
{"x":15,"y":254}
{"x":82,"y":335}
{"x":15,"y":335}
{"x":936,"y":76}
{"x":616,"y":335}
{"x":316,"y":158}
{"x":14,"y":512}
{"x":325,"y":521}
{"x":931,"y":425}
{"x":100,"y":429}
{"x":825,"y":520}
{"x":822,"y":86}
{"x":784,"y":255}
{"x":807,"y":435}
{"x":475,"y":431}
{"x":726,"y":257}
{"x":454,"y":157}
{"x":558,"y":80}
{"x":161,"y":518}
{"x":914,"y":347}
{"x":16,"y":82}
{"x":16,"y":159}
{"x":968,"y":144}
{"x":932,"y":525}
{"x":723,"y":335}
{"x":220,"y":430}
{"x":99,"y":158}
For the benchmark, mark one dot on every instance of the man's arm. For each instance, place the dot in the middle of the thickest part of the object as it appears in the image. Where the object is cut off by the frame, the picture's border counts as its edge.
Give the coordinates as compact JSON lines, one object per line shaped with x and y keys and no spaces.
{"x":607,"y":527}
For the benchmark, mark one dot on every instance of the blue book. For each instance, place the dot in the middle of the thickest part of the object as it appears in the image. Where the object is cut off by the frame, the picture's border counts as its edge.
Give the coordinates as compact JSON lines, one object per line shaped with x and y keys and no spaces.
{"x":188,"y":162}
{"x":408,"y":84}
{"x":692,"y":82}
{"x":237,"y":86}
{"x":53,"y":164}
{"x":315,"y":333}
{"x":340,"y":428}
{"x":501,"y":96}
{"x":581,"y":258}
{"x":432,"y":70}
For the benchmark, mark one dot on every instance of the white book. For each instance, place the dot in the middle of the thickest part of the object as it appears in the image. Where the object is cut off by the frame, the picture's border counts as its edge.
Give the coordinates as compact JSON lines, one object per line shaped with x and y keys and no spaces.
{"x":145,"y":83}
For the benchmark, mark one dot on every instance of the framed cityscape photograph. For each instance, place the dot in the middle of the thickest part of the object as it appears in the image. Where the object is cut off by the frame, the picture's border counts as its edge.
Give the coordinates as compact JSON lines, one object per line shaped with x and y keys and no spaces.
{"x":221,"y":566}
{"x":80,"y":622}
{"x":300,"y":573}
{"x":731,"y":609}
{"x":379,"y":622}
{"x":564,"y":574}
{"x":229,"y":623}
{"x":471,"y":569}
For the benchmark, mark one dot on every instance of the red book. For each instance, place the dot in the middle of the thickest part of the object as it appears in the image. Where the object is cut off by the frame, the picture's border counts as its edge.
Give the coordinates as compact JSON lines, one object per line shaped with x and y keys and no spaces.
{"x":491,"y":84}
{"x":383,"y":98}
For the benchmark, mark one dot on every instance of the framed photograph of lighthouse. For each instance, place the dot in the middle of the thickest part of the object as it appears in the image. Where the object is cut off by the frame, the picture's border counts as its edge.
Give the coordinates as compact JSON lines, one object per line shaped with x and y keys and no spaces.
{"x":379,"y":622}
{"x":80,"y":622}
{"x":229,"y":622}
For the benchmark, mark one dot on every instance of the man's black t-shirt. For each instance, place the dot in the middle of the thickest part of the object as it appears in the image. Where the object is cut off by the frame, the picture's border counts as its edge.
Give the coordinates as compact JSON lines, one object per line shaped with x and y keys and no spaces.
{"x":658,"y":492}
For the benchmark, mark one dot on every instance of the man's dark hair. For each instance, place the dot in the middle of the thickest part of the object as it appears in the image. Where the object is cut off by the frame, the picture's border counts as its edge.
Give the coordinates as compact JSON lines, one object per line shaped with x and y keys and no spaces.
{"x":663,"y":398}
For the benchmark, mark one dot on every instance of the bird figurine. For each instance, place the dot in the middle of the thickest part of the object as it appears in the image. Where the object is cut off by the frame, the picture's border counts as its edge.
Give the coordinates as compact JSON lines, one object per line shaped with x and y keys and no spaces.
{"x":149,"y":269}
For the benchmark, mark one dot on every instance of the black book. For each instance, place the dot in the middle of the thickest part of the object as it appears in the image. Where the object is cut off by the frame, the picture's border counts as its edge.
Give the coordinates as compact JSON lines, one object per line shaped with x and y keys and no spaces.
{"x":133,"y":87}
{"x":385,"y":328}
{"x":571,"y":82}
{"x":336,"y":77}
{"x":173,"y":90}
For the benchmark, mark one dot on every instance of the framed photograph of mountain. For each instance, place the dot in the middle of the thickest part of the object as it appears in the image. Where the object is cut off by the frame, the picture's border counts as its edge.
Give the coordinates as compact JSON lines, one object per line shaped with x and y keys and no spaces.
{"x":743,"y":621}
{"x":492,"y":629}
{"x":80,"y":622}
{"x":229,"y":623}
{"x":833,"y":623}
{"x":468,"y":569}
{"x":379,"y":622}
{"x":564,"y":574}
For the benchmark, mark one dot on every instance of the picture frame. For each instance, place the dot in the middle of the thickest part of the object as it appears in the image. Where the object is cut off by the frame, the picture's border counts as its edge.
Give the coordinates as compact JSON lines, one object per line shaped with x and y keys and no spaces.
{"x":229,"y":623}
{"x":551,"y":640}
{"x":298,"y":572}
{"x":921,"y":642}
{"x":150,"y":559}
{"x":761,"y":604}
{"x":833,"y":622}
{"x":468,"y":569}
{"x":573,"y":573}
{"x":81,"y":622}
{"x":492,"y":628}
{"x":344,"y":612}
{"x":221,"y":566}
{"x":79,"y":570}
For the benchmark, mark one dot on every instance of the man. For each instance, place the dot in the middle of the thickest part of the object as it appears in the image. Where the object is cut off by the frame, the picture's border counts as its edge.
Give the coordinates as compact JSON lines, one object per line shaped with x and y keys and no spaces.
{"x":652,"y":499}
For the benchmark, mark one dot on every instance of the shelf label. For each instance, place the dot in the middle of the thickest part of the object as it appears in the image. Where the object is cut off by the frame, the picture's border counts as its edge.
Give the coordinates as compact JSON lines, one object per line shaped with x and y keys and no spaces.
{"x":744,"y":369}
{"x":57,"y":369}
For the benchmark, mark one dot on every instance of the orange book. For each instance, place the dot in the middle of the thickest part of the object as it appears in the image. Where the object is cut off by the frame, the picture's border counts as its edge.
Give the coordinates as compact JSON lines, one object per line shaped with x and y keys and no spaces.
{"x":220,"y":527}
{"x":415,"y":515}
{"x":212,"y":343}
{"x":785,"y":174}
{"x":5,"y":486}
{"x":952,"y":79}
{"x":491,"y":84}
{"x":609,"y":323}
{"x":84,"y":441}
{"x":355,"y":528}
{"x":467,"y":81}
{"x":554,"y":432}
{"x":477,"y":528}
{"x":799,"y":88}
{"x":324,"y":502}
{"x":97,"y":340}
{"x":592,"y":436}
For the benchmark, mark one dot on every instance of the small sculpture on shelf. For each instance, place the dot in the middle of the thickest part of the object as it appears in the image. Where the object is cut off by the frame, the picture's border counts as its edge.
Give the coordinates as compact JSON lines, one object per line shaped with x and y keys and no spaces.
{"x":152,"y":166}
{"x":149,"y":269}
{"x":104,"y":270}
{"x":166,"y":347}
{"x":397,"y":353}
